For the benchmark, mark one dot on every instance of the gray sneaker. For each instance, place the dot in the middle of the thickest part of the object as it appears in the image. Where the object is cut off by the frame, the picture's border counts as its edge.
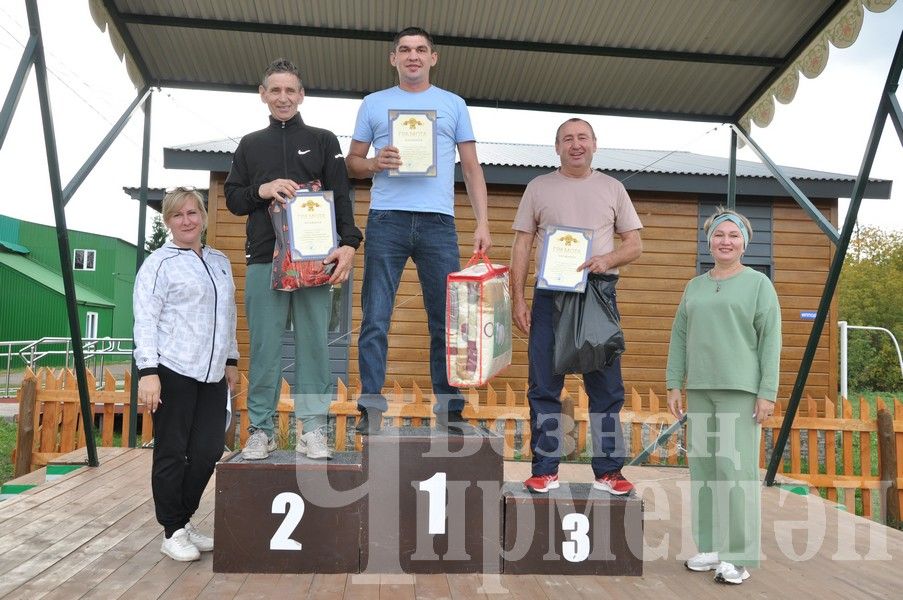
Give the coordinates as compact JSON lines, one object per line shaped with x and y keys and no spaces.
{"x":258,"y":446}
{"x":314,"y":444}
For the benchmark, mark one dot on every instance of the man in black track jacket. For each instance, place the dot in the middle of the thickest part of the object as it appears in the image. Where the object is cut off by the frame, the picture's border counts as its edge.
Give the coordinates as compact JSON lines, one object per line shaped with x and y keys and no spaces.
{"x":270,"y":165}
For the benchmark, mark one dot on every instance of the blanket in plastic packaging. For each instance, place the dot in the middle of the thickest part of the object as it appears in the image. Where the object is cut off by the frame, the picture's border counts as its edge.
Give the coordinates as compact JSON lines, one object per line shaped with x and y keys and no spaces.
{"x":478,"y":323}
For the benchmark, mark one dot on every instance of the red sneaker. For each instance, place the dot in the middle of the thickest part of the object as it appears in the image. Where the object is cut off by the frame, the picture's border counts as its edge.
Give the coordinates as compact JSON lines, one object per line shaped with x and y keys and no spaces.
{"x":613,"y":483}
{"x":540,"y":484}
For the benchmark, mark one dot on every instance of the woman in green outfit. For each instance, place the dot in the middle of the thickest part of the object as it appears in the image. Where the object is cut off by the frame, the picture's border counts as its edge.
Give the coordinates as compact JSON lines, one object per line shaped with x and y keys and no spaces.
{"x":725,"y":351}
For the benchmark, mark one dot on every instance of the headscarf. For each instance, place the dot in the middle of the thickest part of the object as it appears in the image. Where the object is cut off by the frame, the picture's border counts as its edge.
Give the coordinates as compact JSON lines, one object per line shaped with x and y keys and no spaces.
{"x":733,"y":219}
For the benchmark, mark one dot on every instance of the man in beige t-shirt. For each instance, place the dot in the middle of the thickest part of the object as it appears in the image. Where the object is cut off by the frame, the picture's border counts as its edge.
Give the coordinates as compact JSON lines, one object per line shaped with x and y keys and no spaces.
{"x":572,"y":196}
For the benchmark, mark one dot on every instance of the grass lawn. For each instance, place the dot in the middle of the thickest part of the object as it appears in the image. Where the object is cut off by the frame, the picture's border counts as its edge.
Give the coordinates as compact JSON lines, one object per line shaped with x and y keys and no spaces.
{"x":7,"y":443}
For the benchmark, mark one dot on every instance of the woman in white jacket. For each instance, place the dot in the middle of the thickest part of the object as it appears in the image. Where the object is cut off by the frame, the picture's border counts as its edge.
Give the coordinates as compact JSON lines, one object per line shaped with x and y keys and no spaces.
{"x":187,"y":357}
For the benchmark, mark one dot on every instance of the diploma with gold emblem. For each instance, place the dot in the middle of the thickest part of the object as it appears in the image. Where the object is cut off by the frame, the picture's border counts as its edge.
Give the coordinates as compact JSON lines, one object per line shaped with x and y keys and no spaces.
{"x":563,"y":250}
{"x":311,"y":225}
{"x":413,"y":132}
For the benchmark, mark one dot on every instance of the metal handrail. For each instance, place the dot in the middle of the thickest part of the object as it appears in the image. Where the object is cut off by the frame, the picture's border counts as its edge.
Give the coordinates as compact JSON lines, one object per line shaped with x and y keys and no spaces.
{"x":32,"y":352}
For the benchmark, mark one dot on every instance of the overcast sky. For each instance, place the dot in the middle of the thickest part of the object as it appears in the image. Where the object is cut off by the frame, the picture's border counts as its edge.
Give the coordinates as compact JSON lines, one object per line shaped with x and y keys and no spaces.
{"x":825,"y":128}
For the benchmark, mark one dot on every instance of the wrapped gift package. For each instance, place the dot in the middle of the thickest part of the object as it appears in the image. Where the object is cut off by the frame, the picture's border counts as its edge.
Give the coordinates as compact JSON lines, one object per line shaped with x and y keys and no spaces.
{"x":478,"y":323}
{"x":288,"y":274}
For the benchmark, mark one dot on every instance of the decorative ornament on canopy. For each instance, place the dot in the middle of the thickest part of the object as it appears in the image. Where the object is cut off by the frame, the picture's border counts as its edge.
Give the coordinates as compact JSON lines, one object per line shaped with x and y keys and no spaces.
{"x":841,"y":32}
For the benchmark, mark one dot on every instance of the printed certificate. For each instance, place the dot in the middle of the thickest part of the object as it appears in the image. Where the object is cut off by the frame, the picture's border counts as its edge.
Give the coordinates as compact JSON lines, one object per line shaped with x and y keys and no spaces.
{"x":311,"y":225}
{"x":563,"y":250}
{"x":413,"y":132}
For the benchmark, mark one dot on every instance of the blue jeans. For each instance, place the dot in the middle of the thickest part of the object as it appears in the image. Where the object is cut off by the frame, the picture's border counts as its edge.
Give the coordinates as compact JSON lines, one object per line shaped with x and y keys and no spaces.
{"x":393,"y":236}
{"x":604,"y":387}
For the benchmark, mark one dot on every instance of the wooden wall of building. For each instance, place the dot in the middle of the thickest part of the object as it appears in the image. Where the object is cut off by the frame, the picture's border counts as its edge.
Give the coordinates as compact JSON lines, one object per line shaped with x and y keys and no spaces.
{"x":648,"y":292}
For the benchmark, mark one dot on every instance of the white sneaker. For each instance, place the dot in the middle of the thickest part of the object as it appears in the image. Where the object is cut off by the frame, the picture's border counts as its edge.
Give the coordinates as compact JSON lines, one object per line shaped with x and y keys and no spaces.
{"x":704,"y":561}
{"x":314,"y":444}
{"x":730,"y":573}
{"x":179,"y":547}
{"x":202,"y":542}
{"x":258,"y":446}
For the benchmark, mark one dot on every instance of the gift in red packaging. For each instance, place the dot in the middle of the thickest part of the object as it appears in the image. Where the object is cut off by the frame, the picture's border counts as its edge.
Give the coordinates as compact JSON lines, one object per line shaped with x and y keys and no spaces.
{"x":288,"y":274}
{"x":478,"y":322}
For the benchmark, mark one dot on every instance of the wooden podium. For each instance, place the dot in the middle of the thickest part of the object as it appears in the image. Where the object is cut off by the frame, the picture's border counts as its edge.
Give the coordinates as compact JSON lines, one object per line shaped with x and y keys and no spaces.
{"x":574,"y":530}
{"x":415,"y":501}
{"x":433,"y":502}
{"x":288,"y":514}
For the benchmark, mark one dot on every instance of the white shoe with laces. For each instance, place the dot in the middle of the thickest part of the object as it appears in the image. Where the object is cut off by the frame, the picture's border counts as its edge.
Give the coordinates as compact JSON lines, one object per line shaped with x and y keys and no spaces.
{"x":704,"y":561}
{"x":179,"y":547}
{"x":731,"y":573}
{"x":258,"y":446}
{"x":202,"y":542}
{"x":314,"y":444}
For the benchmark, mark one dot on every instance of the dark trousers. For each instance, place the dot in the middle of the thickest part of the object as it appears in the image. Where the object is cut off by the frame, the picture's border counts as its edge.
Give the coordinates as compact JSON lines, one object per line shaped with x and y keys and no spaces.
{"x":189,"y":435}
{"x":604,"y":387}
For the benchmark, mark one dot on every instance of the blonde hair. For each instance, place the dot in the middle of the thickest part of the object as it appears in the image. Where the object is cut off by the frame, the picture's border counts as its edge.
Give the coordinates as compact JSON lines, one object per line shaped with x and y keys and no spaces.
{"x":174,"y":200}
{"x":721,"y":211}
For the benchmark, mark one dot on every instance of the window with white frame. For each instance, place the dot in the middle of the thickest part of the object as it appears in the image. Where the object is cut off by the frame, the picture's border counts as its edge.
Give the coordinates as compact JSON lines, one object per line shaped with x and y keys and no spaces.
{"x":91,"y":325}
{"x":83,"y":260}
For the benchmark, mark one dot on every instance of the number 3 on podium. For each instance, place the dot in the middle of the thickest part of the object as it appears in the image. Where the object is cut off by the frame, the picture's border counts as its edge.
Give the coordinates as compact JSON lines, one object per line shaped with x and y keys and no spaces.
{"x":576,"y":549}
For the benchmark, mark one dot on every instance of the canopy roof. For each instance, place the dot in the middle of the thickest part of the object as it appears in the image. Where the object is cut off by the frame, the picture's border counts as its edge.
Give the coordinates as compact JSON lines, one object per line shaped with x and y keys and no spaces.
{"x":707,"y":60}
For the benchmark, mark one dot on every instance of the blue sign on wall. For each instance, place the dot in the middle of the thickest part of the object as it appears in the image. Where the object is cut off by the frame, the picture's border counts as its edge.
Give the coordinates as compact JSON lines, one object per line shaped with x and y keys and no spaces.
{"x":808,"y":315}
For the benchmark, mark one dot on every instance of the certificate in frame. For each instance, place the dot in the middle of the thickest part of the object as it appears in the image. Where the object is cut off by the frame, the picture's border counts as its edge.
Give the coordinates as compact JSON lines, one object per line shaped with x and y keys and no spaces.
{"x":413,"y":132}
{"x":311,"y":225}
{"x":563,"y":250}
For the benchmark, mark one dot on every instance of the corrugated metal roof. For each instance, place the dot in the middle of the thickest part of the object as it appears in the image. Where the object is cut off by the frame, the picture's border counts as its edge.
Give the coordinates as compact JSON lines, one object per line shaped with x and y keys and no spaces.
{"x":607,"y":159}
{"x":689,"y":59}
{"x":52,"y":280}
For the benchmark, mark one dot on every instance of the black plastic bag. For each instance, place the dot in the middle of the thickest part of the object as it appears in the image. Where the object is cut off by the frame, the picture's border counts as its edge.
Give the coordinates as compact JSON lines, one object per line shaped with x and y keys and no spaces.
{"x":588,"y":332}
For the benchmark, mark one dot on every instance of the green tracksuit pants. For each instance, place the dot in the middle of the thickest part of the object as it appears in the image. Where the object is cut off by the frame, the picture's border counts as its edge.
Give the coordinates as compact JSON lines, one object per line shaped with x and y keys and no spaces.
{"x":723,"y":452}
{"x":268,"y":311}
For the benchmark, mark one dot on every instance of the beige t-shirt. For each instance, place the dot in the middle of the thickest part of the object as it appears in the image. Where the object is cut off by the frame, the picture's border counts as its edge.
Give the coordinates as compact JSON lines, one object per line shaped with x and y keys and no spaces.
{"x":598,"y":203}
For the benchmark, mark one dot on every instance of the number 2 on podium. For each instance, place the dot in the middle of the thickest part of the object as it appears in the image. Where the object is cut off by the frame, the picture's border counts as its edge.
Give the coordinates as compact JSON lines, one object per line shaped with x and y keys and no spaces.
{"x":293,"y":504}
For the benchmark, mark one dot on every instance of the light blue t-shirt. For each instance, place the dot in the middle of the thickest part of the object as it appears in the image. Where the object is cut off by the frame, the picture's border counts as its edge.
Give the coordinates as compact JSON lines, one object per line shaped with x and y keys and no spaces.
{"x":416,"y":194}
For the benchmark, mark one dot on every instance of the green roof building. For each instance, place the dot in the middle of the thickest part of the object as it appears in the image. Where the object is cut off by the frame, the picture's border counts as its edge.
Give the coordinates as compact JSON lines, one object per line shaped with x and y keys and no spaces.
{"x":33,"y":302}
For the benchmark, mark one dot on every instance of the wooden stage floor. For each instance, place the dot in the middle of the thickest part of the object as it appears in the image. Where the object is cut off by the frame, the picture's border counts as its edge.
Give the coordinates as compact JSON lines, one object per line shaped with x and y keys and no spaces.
{"x":92,"y":534}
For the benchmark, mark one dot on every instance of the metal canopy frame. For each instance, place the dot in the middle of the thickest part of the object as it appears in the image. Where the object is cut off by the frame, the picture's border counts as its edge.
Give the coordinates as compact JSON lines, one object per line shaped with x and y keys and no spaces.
{"x":33,"y":56}
{"x":887,"y":106}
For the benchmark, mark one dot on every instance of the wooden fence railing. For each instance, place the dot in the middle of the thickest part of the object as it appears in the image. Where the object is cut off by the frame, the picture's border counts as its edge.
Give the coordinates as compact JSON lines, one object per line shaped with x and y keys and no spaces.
{"x":50,"y":420}
{"x":845,"y":449}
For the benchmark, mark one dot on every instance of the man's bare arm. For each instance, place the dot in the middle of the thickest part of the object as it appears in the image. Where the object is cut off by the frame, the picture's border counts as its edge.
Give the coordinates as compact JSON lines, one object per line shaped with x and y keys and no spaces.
{"x":520,"y":263}
{"x":629,"y":250}
{"x":476,"y":191}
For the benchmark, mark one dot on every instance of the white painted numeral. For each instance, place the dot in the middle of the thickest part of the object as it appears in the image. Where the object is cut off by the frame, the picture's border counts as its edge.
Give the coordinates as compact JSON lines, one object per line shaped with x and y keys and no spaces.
{"x":575,"y":549}
{"x":435,"y":488}
{"x":293,"y":504}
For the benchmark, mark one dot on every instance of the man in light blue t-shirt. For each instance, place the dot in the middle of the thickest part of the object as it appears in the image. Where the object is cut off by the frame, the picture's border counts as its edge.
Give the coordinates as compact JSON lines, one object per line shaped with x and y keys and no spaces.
{"x":412,"y":217}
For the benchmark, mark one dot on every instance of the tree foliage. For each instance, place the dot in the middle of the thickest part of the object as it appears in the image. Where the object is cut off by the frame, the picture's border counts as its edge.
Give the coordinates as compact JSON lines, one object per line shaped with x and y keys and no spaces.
{"x":158,"y":235}
{"x":870,"y":292}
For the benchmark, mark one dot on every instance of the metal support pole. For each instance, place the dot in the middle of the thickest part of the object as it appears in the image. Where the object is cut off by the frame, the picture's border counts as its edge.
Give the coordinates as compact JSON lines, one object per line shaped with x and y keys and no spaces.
{"x":789,"y":186}
{"x":843,"y":364}
{"x":18,"y":84}
{"x":102,"y":148}
{"x":732,"y":174}
{"x":659,"y":441}
{"x":896,"y":115}
{"x":890,"y":86}
{"x":139,"y":260}
{"x":62,"y":235}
